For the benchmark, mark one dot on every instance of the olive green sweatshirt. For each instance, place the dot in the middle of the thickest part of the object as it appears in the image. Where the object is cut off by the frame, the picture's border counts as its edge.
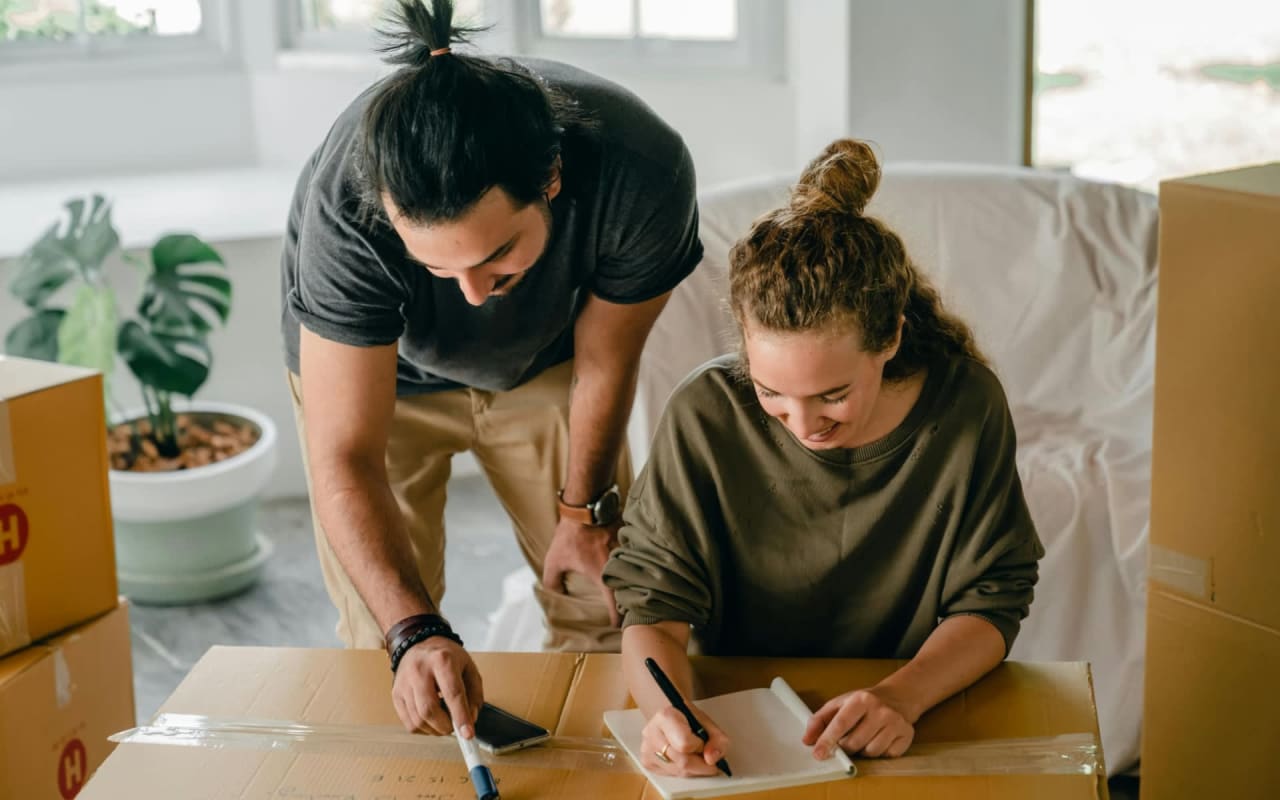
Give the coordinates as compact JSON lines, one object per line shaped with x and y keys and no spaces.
{"x":769,"y":548}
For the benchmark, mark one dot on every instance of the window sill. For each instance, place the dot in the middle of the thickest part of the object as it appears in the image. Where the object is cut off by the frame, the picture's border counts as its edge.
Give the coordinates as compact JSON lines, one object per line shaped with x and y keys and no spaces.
{"x":222,"y":205}
{"x":72,"y":67}
{"x":330,"y":60}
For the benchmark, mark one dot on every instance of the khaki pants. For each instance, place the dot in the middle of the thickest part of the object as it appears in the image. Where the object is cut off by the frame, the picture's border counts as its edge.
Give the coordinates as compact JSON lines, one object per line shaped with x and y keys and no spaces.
{"x":520,"y":439}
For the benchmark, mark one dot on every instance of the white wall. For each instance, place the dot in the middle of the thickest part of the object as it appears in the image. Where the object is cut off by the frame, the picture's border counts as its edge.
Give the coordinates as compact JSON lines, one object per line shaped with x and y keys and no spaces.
{"x":939,"y":80}
{"x":930,"y":79}
{"x":120,"y":122}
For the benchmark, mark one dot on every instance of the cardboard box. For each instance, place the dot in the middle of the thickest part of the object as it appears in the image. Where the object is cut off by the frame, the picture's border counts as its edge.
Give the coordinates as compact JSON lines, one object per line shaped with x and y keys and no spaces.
{"x":1212,"y":706}
{"x":357,"y":750}
{"x":57,"y":556}
{"x":59,"y":701}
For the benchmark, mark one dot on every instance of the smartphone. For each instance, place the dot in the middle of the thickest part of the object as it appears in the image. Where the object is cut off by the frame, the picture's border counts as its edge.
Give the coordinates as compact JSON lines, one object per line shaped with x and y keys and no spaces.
{"x":501,"y":731}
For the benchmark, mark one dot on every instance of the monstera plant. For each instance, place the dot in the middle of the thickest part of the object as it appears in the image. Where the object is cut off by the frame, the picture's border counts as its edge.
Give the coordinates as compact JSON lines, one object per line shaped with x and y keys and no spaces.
{"x":186,"y":474}
{"x":75,"y":319}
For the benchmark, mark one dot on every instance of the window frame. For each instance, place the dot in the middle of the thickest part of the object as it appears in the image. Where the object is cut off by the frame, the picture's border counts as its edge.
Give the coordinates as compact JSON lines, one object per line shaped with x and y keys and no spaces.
{"x":757,"y":51}
{"x":214,"y":43}
{"x":295,"y":38}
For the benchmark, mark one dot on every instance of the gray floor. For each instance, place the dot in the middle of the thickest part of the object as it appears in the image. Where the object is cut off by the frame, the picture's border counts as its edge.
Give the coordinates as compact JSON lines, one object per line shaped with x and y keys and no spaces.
{"x":289,"y":607}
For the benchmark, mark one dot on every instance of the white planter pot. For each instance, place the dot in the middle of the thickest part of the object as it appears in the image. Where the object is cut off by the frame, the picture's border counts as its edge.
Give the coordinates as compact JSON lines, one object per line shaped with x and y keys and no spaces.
{"x":190,"y":535}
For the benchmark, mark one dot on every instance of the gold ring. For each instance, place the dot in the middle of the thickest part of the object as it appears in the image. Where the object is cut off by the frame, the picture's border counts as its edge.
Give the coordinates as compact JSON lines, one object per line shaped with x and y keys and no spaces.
{"x":661,"y":755}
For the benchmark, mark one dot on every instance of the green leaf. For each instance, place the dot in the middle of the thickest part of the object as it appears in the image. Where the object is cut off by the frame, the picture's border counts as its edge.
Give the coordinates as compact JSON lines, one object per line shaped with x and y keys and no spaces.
{"x":78,"y":243}
{"x":97,"y":236}
{"x":87,"y":336}
{"x":188,"y":291}
{"x":1244,"y":73}
{"x":36,"y":336}
{"x":165,"y":362}
{"x":1048,"y":81}
{"x":42,"y":270}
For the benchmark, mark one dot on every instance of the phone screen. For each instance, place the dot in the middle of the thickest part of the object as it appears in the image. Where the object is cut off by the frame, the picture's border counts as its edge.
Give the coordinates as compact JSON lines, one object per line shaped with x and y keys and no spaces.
{"x":500,"y":730}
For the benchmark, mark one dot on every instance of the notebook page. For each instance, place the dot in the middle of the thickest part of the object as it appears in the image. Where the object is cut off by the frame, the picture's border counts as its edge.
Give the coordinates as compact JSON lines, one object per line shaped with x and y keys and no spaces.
{"x":764,"y":727}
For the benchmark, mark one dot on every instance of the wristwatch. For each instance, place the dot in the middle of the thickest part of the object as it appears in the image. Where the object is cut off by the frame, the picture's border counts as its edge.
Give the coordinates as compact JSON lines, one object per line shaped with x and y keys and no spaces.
{"x":599,"y":513}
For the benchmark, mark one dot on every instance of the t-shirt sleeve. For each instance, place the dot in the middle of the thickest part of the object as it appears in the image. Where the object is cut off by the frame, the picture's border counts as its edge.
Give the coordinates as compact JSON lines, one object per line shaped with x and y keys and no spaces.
{"x":660,"y":570}
{"x":654,"y":242}
{"x":344,"y":291}
{"x":993,"y":570}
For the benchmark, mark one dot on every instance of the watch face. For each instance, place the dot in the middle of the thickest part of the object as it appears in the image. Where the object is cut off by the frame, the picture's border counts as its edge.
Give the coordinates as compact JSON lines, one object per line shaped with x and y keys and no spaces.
{"x":608,"y":507}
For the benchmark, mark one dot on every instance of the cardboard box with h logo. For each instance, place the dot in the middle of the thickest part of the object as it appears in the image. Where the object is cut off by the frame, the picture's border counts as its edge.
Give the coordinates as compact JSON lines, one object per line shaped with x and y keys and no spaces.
{"x":57,"y":556}
{"x":67,"y":683}
{"x":59,"y":701}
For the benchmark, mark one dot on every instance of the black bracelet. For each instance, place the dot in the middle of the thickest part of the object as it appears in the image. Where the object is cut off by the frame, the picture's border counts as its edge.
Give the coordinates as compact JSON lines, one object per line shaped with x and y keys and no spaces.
{"x":421,"y":635}
{"x":408,"y":624}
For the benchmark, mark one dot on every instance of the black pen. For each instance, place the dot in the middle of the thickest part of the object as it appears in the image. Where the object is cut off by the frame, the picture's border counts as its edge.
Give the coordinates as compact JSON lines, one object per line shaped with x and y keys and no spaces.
{"x":674,"y":698}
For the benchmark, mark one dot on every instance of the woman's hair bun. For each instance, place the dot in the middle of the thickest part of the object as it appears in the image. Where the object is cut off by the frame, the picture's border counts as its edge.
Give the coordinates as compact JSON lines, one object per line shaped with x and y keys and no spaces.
{"x":841,"y":179}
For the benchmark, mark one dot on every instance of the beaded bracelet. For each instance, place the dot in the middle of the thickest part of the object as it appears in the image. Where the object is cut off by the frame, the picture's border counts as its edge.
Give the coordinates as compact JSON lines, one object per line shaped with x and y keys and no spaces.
{"x":407,"y":624}
{"x":418,"y":635}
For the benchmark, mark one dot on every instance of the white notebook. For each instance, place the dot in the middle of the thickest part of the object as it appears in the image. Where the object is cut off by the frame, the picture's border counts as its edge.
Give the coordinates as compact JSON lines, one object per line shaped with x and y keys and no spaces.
{"x":764,"y":727}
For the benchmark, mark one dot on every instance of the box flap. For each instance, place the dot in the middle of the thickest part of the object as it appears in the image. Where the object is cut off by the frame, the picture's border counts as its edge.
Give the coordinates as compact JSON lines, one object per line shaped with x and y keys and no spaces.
{"x":57,"y":713}
{"x":13,"y":665}
{"x":1015,"y":701}
{"x":19,"y":376}
{"x":333,"y":687}
{"x":1210,"y":700}
{"x":1262,"y":180}
{"x":352,"y":687}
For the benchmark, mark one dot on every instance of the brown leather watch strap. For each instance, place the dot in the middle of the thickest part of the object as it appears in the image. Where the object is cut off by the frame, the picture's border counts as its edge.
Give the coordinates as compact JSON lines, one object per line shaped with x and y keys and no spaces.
{"x":579,"y":514}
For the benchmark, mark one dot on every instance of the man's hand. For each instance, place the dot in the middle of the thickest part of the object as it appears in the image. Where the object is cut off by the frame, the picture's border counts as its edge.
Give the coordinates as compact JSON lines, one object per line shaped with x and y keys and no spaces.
{"x":433,"y":669}
{"x":583,"y":549}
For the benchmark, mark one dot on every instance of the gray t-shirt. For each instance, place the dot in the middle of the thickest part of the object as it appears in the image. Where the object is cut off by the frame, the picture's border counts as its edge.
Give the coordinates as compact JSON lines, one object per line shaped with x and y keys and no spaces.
{"x":625,"y":228}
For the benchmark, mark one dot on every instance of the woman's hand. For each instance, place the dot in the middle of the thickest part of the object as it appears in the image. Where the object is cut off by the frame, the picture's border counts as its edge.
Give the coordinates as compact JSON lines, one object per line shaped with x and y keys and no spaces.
{"x":869,"y":722}
{"x":667,"y":735}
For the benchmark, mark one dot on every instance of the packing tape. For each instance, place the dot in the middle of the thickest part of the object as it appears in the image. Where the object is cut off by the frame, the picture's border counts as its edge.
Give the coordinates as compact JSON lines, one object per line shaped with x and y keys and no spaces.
{"x":1180,"y":571}
{"x":1068,"y":754}
{"x":8,"y":467}
{"x":559,"y":752}
{"x":14,"y":633}
{"x":63,"y":687}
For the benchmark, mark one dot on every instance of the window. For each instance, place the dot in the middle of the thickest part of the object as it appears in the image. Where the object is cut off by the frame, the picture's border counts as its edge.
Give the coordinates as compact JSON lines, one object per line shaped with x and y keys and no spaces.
{"x":669,"y":35}
{"x":1141,"y":91}
{"x":708,"y":20}
{"x":352,"y":24}
{"x":656,"y":35}
{"x":90,"y":28}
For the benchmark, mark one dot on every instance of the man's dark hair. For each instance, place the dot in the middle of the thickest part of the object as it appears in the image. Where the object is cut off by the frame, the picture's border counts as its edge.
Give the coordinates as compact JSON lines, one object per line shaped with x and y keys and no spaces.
{"x":442,"y":130}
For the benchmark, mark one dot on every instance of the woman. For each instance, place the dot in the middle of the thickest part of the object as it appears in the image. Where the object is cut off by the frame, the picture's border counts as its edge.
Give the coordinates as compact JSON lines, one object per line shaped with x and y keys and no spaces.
{"x":844,"y":487}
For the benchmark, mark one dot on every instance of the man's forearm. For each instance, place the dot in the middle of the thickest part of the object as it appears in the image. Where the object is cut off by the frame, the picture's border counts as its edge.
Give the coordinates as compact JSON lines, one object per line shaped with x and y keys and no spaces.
{"x":364,"y":526}
{"x":599,"y":407}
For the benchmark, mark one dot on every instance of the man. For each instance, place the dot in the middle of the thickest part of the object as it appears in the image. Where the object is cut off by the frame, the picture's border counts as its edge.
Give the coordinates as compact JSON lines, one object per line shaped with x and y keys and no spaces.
{"x":475,"y":256}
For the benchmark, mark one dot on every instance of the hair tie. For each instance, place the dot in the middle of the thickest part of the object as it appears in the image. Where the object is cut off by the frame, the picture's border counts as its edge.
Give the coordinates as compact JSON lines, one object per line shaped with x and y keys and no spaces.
{"x":443,"y":51}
